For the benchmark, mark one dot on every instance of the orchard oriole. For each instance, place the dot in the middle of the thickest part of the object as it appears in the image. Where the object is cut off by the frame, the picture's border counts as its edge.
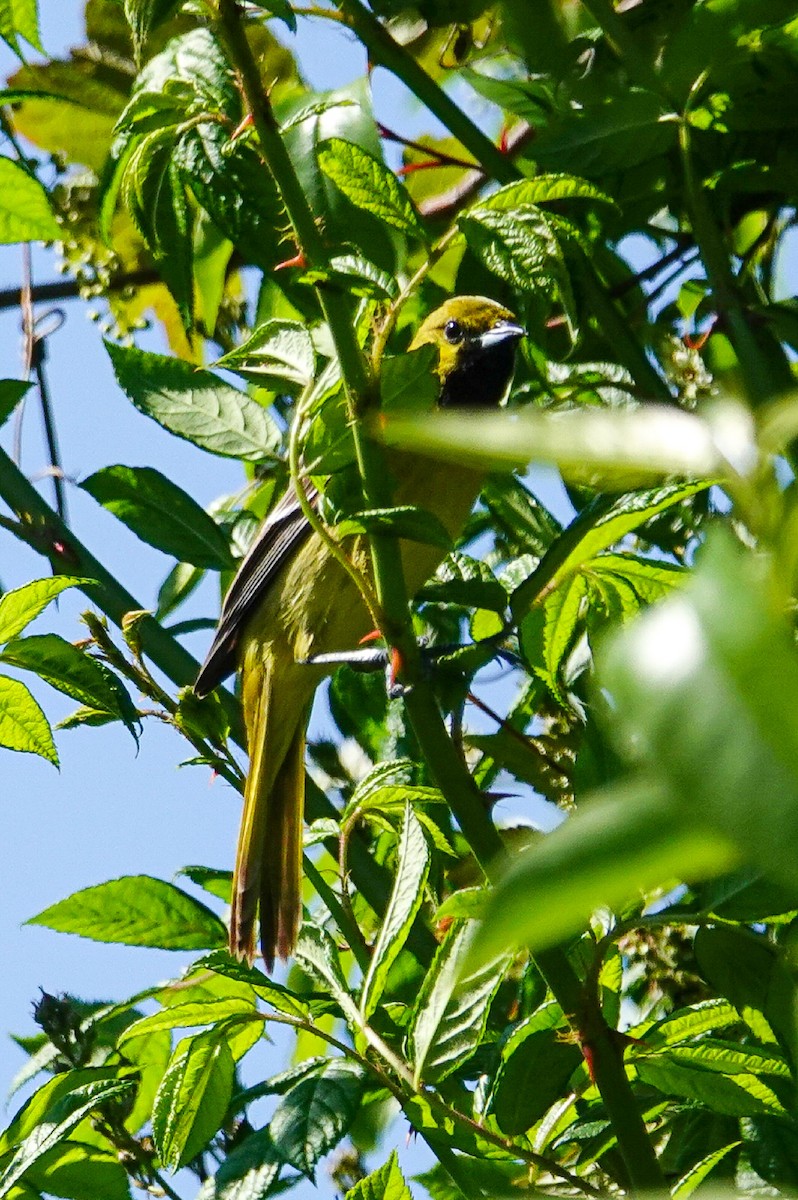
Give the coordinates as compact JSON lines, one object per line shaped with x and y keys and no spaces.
{"x":292,"y":600}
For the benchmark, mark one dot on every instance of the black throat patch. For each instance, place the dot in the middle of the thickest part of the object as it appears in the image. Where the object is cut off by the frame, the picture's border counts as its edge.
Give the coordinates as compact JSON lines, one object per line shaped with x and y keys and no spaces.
{"x":481,"y":378}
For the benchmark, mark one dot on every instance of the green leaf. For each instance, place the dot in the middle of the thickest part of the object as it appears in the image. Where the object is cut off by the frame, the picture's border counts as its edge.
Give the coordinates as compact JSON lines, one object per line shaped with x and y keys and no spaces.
{"x":136,"y":910}
{"x":25,"y":213}
{"x":750,"y":972}
{"x":737,"y":1096}
{"x":20,"y":606}
{"x":195,"y":404}
{"x":465,"y":581}
{"x":544,"y":189}
{"x":316,"y":954}
{"x":601,"y":524}
{"x":521,"y":247}
{"x":408,"y":382}
{"x":154,"y":195}
{"x":248,"y":1172}
{"x":451,"y":1011}
{"x":386,"y":1183}
{"x":279,"y":351}
{"x":624,"y":130}
{"x":315,"y":1114}
{"x":216,"y":881}
{"x":729,"y":1059}
{"x":413,"y":862}
{"x":404,"y":521}
{"x":187,"y":1016}
{"x":630,"y":839}
{"x":11,"y":392}
{"x":620,"y":449}
{"x":222,"y":963}
{"x":560,"y":615}
{"x":57,"y":1123}
{"x":688,"y":1183}
{"x":369,"y":184}
{"x":143,"y":16}
{"x":161,"y":514}
{"x":687,"y":1023}
{"x":23,"y":725}
{"x":79,"y":1172}
{"x":535,"y":1068}
{"x":192,"y":1101}
{"x":73,"y":671}
{"x":20,"y":18}
{"x":359,"y":275}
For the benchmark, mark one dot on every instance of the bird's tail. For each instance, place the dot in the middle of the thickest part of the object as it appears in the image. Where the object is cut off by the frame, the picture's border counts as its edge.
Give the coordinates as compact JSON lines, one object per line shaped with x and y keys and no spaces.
{"x":268,"y":871}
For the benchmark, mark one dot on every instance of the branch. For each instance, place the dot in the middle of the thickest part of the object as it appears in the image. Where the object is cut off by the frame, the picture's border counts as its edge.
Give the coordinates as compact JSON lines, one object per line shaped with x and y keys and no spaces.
{"x":71,"y":289}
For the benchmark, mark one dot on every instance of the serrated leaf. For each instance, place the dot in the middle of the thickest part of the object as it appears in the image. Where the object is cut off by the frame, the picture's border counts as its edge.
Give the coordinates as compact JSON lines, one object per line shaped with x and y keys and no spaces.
{"x":75,"y":1169}
{"x":191,"y":1102}
{"x":687,"y":1023}
{"x":136,"y":910}
{"x":404,"y":521}
{"x":602,"y":524}
{"x":217,"y":882}
{"x":23,"y":725}
{"x":248,"y":1172}
{"x":316,"y":1113}
{"x":73,"y":671}
{"x":57,"y":1123}
{"x":195,"y":405}
{"x":735,"y":1095}
{"x":161,"y":514}
{"x":25,"y":212}
{"x":276,"y":994}
{"x":279,"y":350}
{"x":316,"y":954}
{"x":386,"y":1183}
{"x":451,"y":1011}
{"x":360,"y":276}
{"x":465,"y":581}
{"x":535,"y":1068}
{"x":369,"y":184}
{"x":413,"y":862}
{"x":20,"y":606}
{"x":544,"y":189}
{"x":186,"y":1016}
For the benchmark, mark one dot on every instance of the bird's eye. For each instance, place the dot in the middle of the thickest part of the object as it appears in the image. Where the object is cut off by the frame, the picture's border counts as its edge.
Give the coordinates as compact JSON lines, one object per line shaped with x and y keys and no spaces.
{"x":453,"y":332}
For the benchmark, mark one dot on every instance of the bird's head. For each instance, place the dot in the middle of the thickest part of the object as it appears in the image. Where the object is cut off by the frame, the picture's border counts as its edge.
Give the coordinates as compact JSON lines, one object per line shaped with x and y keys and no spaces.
{"x":476,"y":339}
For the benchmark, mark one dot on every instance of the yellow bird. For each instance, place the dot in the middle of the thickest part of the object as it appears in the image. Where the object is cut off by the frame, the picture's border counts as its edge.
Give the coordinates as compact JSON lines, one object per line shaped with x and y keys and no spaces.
{"x":291,"y":600}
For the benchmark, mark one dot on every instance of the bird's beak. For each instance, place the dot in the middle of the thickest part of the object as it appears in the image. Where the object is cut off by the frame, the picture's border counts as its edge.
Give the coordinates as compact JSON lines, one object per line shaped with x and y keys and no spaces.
{"x":503,"y":332}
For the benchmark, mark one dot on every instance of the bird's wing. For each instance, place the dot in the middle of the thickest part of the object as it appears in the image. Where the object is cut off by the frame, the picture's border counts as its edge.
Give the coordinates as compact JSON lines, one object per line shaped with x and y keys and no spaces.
{"x":279,"y":537}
